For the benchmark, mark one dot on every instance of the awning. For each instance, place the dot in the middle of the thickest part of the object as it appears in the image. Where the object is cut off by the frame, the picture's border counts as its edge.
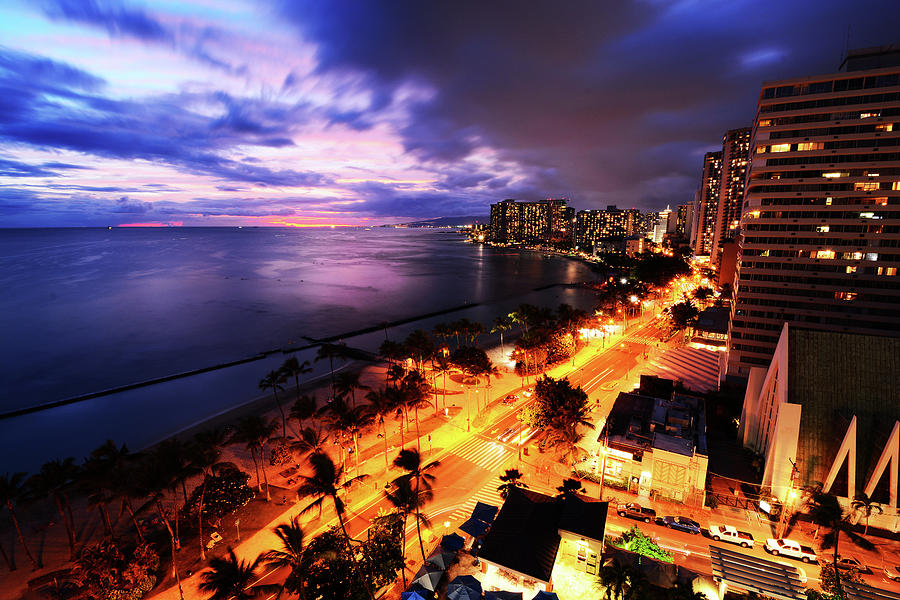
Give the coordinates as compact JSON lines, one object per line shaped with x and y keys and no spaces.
{"x":759,"y":575}
{"x":464,"y":581}
{"x":484,"y":512}
{"x":475,"y":527}
{"x":502,"y":595}
{"x":442,"y":560}
{"x":453,"y":542}
{"x":542,"y":595}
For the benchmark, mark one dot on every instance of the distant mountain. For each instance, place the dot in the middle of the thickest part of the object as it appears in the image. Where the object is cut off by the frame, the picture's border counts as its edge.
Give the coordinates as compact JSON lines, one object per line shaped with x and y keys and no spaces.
{"x":445,"y":222}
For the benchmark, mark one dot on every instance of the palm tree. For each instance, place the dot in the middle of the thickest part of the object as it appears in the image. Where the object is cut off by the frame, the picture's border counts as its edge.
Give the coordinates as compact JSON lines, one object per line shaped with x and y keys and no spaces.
{"x":637,"y":584}
{"x":500,"y":325}
{"x":420,"y":345}
{"x":862,"y":503}
{"x":569,"y":488}
{"x":392,"y":351}
{"x":567,"y":439}
{"x":253,"y":431}
{"x":420,"y":480}
{"x":614,"y":577}
{"x":51,"y":482}
{"x":442,"y":331}
{"x":231,"y":579}
{"x":291,"y":555}
{"x":825,"y":510}
{"x":274,"y":380}
{"x":12,"y":488}
{"x":413,"y":389}
{"x":349,"y":420}
{"x":684,"y":590}
{"x":346,"y":383}
{"x":327,"y":481}
{"x":310,"y":441}
{"x":204,"y":454}
{"x":475,"y":330}
{"x":381,"y":403}
{"x":331,"y":352}
{"x":175,"y":457}
{"x":304,"y":407}
{"x":294,"y":368}
{"x":406,"y":502}
{"x":97,"y":479}
{"x":512,"y":478}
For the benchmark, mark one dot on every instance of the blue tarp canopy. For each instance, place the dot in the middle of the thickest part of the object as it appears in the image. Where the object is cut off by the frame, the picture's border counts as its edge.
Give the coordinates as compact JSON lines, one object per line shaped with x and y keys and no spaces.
{"x":464,"y":581}
{"x":542,"y":595}
{"x":502,"y":595}
{"x":484,"y":512}
{"x":474,"y":527}
{"x":464,"y":593}
{"x":453,"y":542}
{"x":414,"y":595}
{"x":442,"y":560}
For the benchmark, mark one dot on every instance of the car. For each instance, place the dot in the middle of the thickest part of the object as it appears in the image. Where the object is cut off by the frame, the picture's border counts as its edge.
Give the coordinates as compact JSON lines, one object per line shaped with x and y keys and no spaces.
{"x":634,"y":510}
{"x":790,"y":549}
{"x":892,"y":572}
{"x":851,"y":563}
{"x":682,"y":524}
{"x":510,"y":399}
{"x":528,"y":392}
{"x":727,"y":533}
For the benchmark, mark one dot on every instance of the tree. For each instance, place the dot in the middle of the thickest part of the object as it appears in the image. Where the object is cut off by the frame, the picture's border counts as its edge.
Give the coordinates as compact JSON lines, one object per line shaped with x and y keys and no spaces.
{"x":381,"y":403}
{"x":294,"y":368}
{"x":304,"y":407}
{"x":347,"y":420}
{"x":102,"y":570}
{"x":684,"y":590}
{"x":97,"y":476}
{"x":204,"y":456}
{"x":310,"y":441}
{"x":420,"y":345}
{"x":512,"y":478}
{"x":327,"y":481}
{"x":471,"y":361}
{"x":865,"y":505}
{"x":347,"y":383}
{"x":12,"y":488}
{"x":224,"y":490}
{"x":392,"y":352}
{"x":420,"y":480}
{"x":273,"y":381}
{"x":405,"y":503}
{"x":291,"y":555}
{"x":825,"y":510}
{"x":614,"y":577}
{"x":253,"y":431}
{"x":634,"y":540}
{"x":683,"y":314}
{"x":51,"y":482}
{"x":231,"y":579}
{"x":566,"y":439}
{"x":413,"y":389}
{"x":500,"y":325}
{"x":174,"y":457}
{"x":569,"y":488}
{"x":331,"y":352}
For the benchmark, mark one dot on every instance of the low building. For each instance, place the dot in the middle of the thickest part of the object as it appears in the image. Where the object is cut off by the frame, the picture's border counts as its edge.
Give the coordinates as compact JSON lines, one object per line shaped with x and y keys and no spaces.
{"x":826,"y":411}
{"x":535,"y":535}
{"x":711,"y":329}
{"x":636,"y":245}
{"x":654,"y":443}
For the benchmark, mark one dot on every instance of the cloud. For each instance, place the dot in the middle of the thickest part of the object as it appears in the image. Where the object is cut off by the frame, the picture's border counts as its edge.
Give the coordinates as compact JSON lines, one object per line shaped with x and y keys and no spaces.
{"x":113,"y":17}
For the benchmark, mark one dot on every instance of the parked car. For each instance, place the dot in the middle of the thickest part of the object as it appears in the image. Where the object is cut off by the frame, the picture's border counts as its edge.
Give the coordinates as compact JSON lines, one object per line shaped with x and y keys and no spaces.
{"x":510,"y":399}
{"x":790,"y":549}
{"x":636,"y":511}
{"x":682,"y":524}
{"x":892,"y":572}
{"x":727,"y":533}
{"x":851,"y":563}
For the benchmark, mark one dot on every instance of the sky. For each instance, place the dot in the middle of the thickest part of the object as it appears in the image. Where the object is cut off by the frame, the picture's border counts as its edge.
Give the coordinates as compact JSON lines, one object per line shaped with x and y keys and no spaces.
{"x":353,"y":112}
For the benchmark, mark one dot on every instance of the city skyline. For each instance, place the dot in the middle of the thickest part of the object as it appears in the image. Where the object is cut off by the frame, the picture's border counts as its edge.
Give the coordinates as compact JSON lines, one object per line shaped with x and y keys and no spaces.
{"x":281,"y":114}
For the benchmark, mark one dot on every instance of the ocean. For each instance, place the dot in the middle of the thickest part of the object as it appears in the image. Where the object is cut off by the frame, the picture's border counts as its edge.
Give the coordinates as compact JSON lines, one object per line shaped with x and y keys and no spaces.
{"x":86,"y":310}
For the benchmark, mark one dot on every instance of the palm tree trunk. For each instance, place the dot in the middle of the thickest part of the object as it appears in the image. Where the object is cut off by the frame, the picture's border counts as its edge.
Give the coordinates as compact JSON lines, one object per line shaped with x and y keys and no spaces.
{"x":12,"y":513}
{"x":384,"y":431}
{"x":69,"y":532}
{"x":137,"y":527}
{"x":265,"y":476}
{"x":403,"y":550}
{"x":104,"y":514}
{"x":162,"y":515}
{"x":200,"y":519}
{"x":184,"y":491}
{"x":175,"y":511}
{"x":838,"y":588}
{"x":256,"y":465}
{"x":9,"y":564}
{"x":331,"y":366}
{"x":418,"y":436}
{"x":418,"y":523}
{"x":283,"y":418}
{"x":356,"y":450}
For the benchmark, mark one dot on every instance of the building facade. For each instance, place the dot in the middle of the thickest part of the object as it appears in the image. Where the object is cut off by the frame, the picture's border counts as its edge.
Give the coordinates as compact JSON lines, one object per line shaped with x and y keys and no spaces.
{"x":597,"y":228}
{"x":819,"y":244}
{"x":735,"y":151}
{"x":514,"y":222}
{"x":685,"y":220}
{"x":708,"y":203}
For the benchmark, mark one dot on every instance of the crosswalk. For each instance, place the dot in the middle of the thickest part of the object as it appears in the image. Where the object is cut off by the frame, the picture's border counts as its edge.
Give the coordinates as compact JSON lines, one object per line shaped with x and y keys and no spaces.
{"x":487,"y":454}
{"x":488,"y":494}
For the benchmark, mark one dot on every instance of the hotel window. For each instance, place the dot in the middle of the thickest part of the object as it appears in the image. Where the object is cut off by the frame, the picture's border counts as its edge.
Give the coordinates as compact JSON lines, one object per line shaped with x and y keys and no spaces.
{"x":895,"y":186}
{"x":866,"y":215}
{"x":780,"y":148}
{"x":822,"y":228}
{"x":884,"y":127}
{"x":889,"y":271}
{"x":828,"y":201}
{"x":869,"y":115}
{"x":852,"y":255}
{"x":865,"y":186}
{"x":851,"y":269}
{"x":613,"y":468}
{"x":768,"y":123}
{"x":881,"y":200}
{"x":835,"y":174}
{"x":871,"y":256}
{"x":810,"y":146}
{"x":823,"y":254}
{"x":846,"y":296}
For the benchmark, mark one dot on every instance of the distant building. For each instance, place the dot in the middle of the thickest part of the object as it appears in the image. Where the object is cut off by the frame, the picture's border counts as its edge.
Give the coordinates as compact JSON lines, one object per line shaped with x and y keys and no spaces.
{"x":664,"y":222}
{"x":728,"y":251}
{"x":636,"y":245}
{"x":708,"y":203}
{"x":535,"y":536}
{"x":530,"y":222}
{"x":827,"y":405}
{"x":820,"y":229}
{"x":606,"y":228}
{"x":711,"y":329}
{"x":685,"y":220}
{"x":735,"y":151}
{"x":656,"y":443}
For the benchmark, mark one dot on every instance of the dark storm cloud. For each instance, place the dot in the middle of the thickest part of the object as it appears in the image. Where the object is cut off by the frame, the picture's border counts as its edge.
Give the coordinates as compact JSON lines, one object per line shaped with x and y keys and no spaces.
{"x":52,"y":105}
{"x":606,"y":101}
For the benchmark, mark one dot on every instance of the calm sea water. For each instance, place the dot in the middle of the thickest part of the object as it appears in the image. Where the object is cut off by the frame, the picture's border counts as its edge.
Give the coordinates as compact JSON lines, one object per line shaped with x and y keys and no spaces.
{"x":90,"y":309}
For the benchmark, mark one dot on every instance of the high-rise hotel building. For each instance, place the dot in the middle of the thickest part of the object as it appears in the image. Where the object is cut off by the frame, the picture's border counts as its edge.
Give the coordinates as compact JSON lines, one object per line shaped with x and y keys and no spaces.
{"x":820,"y":230}
{"x":735,"y":150}
{"x":530,"y":222}
{"x":592,"y":227}
{"x":708,"y":203}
